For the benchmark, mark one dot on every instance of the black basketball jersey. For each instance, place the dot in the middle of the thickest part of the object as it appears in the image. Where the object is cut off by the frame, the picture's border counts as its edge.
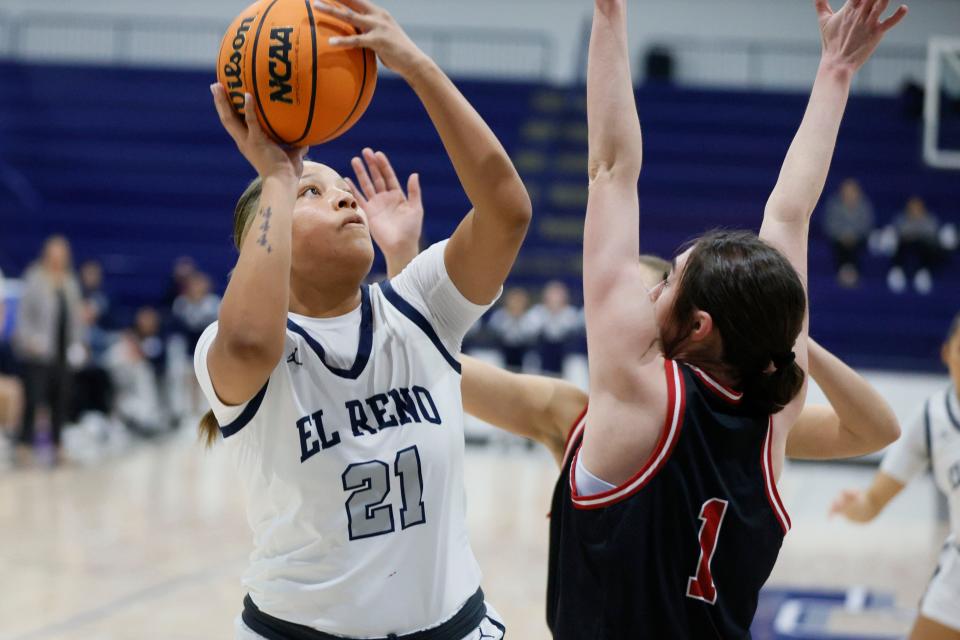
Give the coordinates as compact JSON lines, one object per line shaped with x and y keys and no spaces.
{"x":682,"y":549}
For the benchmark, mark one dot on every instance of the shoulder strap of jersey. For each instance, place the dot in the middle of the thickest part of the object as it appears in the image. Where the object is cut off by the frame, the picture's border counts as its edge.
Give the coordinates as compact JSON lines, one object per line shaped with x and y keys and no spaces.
{"x":670,"y":433}
{"x":770,"y":481}
{"x":417,"y":318}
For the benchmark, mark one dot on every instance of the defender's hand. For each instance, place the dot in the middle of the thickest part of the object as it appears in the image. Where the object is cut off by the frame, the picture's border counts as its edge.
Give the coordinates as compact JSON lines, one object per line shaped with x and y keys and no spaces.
{"x":851,"y":35}
{"x":380,"y":32}
{"x":395,"y":217}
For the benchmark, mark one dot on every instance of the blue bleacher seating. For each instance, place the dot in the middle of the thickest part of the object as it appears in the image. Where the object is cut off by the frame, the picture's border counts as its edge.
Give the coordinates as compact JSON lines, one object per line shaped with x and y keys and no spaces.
{"x":132,"y":165}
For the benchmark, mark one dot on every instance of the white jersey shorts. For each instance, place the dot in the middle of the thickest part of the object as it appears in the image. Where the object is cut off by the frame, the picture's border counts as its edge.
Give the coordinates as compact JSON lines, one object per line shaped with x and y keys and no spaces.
{"x":490,"y":628}
{"x":941,"y":602}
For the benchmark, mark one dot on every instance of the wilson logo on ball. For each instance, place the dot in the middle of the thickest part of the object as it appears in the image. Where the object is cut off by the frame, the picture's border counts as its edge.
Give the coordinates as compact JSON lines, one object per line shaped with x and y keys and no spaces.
{"x":281,"y":70}
{"x":234,"y":69}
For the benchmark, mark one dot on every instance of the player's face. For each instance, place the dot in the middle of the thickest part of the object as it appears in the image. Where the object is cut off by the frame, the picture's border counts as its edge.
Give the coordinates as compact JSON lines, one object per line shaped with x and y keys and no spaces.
{"x":663,"y":294}
{"x":329,"y":228}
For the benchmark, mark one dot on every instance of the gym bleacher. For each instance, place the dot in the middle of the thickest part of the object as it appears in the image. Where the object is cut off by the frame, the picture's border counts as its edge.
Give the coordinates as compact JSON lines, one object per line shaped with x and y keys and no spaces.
{"x":150,"y":175}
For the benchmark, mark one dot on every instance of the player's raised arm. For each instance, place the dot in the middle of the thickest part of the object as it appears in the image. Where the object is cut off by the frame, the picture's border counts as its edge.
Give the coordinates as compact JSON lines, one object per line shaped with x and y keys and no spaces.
{"x":848,"y":36}
{"x":619,"y":313}
{"x":857,"y":421}
{"x":481,"y":252}
{"x":253,"y":314}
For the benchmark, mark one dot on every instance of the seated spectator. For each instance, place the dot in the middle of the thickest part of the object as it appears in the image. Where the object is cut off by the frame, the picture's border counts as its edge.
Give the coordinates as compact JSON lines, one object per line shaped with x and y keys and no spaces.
{"x":91,"y":286}
{"x":183,"y":268}
{"x":919,"y":250}
{"x":92,"y":391}
{"x":193,"y":311}
{"x":196,"y":308}
{"x":146,"y":328}
{"x":510,"y":325}
{"x":847,"y":223}
{"x":136,"y":363}
{"x":554,"y":322}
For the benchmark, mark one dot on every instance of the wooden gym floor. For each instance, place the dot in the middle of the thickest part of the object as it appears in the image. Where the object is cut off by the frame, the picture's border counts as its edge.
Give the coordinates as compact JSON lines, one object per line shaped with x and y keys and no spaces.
{"x":150,"y":543}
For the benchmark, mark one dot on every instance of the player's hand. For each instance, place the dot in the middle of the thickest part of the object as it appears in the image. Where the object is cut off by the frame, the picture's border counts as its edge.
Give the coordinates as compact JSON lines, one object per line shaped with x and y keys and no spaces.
{"x":853,"y":505}
{"x":266,"y":156}
{"x":379,"y":32}
{"x":850,"y":35}
{"x":395,"y":217}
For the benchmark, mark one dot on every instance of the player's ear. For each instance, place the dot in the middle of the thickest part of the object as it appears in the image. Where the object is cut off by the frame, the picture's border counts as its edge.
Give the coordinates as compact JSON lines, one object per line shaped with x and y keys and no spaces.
{"x":702,"y":326}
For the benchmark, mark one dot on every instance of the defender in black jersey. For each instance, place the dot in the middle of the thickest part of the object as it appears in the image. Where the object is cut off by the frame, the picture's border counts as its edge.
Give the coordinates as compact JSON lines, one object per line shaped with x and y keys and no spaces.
{"x":681,"y":549}
{"x":666,"y":521}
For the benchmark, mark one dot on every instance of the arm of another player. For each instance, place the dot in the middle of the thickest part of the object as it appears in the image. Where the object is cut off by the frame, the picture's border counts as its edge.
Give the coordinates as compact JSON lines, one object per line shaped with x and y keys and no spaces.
{"x":253,"y":313}
{"x":858,"y":505}
{"x":482,"y":250}
{"x":536,"y":407}
{"x":857,"y":422}
{"x":848,"y":38}
{"x":627,"y":384}
{"x":906,"y":459}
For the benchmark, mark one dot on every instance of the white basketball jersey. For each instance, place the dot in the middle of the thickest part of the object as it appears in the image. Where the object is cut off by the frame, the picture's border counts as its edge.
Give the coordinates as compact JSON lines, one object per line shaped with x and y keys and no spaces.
{"x":353,"y":464}
{"x":932,"y":441}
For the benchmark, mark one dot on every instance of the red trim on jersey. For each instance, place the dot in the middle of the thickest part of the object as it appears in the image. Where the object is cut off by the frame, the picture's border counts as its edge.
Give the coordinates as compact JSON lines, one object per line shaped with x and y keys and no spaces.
{"x":575,"y":430}
{"x":676,"y":403}
{"x":770,"y":482}
{"x":722,"y":391}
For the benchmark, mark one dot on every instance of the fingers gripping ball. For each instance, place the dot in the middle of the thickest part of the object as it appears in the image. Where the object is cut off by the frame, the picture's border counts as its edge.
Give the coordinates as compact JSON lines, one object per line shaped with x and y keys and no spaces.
{"x":305,"y":91}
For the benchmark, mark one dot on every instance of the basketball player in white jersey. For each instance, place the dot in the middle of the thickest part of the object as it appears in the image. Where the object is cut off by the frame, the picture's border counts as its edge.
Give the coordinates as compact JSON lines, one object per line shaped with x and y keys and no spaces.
{"x":931,"y":441}
{"x":340,"y":403}
{"x":548,"y":410}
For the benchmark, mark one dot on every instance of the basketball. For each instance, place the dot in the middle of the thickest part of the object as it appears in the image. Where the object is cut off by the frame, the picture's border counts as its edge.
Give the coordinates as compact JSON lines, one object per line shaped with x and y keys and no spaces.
{"x":306,"y":92}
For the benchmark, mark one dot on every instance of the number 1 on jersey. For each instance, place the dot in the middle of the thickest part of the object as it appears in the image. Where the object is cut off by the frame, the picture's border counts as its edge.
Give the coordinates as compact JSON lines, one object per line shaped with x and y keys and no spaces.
{"x":700,"y":586}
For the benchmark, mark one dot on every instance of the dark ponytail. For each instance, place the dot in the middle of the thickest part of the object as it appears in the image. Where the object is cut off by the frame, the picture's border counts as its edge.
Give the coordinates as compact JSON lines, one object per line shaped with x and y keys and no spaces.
{"x":757,"y":303}
{"x":771,"y":391}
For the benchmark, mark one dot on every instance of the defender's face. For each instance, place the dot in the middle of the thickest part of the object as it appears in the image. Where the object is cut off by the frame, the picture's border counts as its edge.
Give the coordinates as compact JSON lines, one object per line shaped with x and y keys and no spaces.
{"x":329,"y":228}
{"x":664,"y":293}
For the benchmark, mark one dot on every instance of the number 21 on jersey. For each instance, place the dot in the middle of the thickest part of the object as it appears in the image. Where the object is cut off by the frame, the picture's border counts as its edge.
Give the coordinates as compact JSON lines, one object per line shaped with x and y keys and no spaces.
{"x":370,"y":483}
{"x":700,"y":586}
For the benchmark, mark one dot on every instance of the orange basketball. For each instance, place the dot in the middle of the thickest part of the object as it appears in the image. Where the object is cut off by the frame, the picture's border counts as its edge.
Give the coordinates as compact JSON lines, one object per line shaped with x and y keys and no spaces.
{"x":305,"y":91}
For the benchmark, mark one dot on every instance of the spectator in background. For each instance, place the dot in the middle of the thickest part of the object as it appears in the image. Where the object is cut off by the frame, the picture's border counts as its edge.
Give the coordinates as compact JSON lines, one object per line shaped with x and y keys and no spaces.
{"x":183,"y":269}
{"x":137,"y":363}
{"x":196,"y":308}
{"x":48,"y":339}
{"x":511,"y":327}
{"x":918,"y":250}
{"x":554,"y":322}
{"x":193,"y":311}
{"x":847,"y":222}
{"x":146,"y":328}
{"x":91,"y":286}
{"x":92,"y":391}
{"x":11,"y":389}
